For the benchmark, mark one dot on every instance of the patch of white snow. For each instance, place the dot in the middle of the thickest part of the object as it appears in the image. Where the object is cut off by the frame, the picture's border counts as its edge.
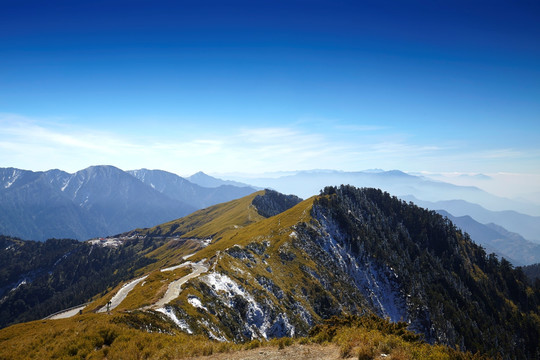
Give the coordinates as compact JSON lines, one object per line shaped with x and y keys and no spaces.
{"x":196,"y":302}
{"x":257,"y":320}
{"x":169,"y":312}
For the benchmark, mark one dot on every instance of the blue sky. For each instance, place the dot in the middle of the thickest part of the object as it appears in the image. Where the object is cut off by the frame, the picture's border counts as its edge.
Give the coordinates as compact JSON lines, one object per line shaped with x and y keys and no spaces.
{"x":255,"y":86}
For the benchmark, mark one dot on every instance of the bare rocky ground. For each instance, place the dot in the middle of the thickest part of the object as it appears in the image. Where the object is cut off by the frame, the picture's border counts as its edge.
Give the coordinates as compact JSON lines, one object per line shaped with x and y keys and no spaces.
{"x":293,"y":352}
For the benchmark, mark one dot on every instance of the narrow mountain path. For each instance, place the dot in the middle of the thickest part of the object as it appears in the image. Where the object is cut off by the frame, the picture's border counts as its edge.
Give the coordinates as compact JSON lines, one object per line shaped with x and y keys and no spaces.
{"x":175,"y":287}
{"x":121,"y":294}
{"x":64,"y":314}
{"x":173,"y":291}
{"x":293,"y":352}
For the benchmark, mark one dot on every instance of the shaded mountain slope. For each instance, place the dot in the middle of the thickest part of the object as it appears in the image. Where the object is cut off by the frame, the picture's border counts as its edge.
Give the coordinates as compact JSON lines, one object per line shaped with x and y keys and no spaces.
{"x":32,"y":206}
{"x":525,"y":225}
{"x":117,"y":200}
{"x":98,"y":201}
{"x":533,"y":273}
{"x":190,"y":192}
{"x":40,"y":278}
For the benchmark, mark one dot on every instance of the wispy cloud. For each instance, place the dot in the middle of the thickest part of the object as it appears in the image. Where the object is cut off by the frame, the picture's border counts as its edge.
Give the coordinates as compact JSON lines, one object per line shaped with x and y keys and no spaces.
{"x":43,"y":144}
{"x":361,"y":128}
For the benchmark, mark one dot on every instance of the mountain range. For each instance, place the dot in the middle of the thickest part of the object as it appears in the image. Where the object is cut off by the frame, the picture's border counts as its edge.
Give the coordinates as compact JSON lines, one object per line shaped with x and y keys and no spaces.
{"x":525,"y":225}
{"x":270,"y":266}
{"x":309,"y":183}
{"x":104,"y":200}
{"x":508,"y":233}
{"x":498,"y":240}
{"x":98,"y":201}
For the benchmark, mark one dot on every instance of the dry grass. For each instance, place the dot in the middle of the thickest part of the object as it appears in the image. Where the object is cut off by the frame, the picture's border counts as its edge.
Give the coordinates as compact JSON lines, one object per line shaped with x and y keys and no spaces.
{"x":128,"y":336}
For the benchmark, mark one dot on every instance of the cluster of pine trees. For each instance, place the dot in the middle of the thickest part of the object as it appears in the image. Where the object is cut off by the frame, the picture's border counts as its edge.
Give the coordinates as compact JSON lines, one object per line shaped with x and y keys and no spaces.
{"x":472,"y":299}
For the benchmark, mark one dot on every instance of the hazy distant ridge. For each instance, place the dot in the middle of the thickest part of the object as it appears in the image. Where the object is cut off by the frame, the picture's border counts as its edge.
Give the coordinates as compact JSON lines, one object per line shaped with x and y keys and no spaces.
{"x":308,"y":183}
{"x":97,"y":201}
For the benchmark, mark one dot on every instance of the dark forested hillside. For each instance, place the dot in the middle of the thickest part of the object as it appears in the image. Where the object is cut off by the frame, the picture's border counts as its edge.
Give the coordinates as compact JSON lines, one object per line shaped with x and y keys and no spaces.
{"x":40,"y":278}
{"x":532,"y":272}
{"x":454,"y":292}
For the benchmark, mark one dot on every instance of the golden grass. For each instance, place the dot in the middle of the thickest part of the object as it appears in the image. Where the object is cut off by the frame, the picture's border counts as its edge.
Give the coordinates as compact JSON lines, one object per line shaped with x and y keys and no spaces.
{"x":99,"y":336}
{"x":170,"y":254}
{"x":275,"y":229}
{"x":102,"y":336}
{"x":151,"y":289}
{"x":212,"y":221}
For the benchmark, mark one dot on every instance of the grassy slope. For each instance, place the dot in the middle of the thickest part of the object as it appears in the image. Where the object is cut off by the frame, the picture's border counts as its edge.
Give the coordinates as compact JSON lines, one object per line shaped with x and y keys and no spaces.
{"x":277,"y":229}
{"x":210,"y":222}
{"x":214,"y":223}
{"x":116,"y":336}
{"x":227,"y":224}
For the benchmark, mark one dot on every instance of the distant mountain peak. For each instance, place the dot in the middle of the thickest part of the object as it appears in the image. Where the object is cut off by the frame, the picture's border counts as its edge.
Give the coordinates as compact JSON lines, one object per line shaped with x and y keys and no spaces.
{"x":98,"y":200}
{"x":205,"y":180}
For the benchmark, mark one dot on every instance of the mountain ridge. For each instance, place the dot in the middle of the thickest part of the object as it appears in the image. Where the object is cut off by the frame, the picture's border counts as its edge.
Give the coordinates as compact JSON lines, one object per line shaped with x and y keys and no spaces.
{"x":95,"y":202}
{"x":308,"y":182}
{"x":190,"y":192}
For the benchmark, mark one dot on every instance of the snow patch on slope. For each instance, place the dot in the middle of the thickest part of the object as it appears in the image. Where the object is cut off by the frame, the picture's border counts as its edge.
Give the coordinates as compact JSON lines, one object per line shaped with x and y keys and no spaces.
{"x":257,"y":318}
{"x":169,"y":312}
{"x":378,"y":284}
{"x":196,"y":302}
{"x":14,"y":176}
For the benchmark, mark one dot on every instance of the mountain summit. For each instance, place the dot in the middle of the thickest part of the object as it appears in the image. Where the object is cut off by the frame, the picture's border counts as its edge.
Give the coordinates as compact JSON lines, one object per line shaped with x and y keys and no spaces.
{"x":205,"y":180}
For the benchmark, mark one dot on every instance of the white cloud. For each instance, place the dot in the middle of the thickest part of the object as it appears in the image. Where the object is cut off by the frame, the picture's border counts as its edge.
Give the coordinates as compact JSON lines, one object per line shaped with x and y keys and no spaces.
{"x":39,"y":144}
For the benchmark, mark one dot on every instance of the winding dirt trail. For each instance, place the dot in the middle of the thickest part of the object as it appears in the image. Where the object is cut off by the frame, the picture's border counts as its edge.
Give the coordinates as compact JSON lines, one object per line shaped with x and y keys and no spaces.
{"x":173,"y":291}
{"x":66,"y":313}
{"x":175,"y":287}
{"x":122,"y":294}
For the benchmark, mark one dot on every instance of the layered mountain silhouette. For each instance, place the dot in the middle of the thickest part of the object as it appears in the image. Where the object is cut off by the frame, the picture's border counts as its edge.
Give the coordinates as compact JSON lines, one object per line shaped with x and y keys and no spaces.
{"x":526,"y":225}
{"x":497,"y":239}
{"x":308,"y":183}
{"x":269,"y":265}
{"x":97,"y":201}
{"x":193,"y":190}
